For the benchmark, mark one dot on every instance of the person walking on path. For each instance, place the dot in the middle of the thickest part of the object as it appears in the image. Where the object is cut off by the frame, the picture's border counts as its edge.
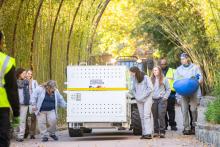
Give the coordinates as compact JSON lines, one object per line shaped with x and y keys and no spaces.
{"x":24,"y":99}
{"x":8,"y":96}
{"x":45,"y":101}
{"x":185,"y":71}
{"x":143,"y":90}
{"x":159,"y":108}
{"x":33,"y":84}
{"x":170,"y":115}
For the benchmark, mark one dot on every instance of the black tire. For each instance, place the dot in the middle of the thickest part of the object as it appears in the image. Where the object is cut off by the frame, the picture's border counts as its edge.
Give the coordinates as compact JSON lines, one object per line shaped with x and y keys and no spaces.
{"x":86,"y":130}
{"x":136,"y":122}
{"x":75,"y":132}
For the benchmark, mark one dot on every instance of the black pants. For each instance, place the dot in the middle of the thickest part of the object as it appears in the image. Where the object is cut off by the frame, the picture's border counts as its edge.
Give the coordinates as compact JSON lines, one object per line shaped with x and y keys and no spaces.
{"x":170,"y":116}
{"x":190,"y":114}
{"x":159,"y":107}
{"x":4,"y":127}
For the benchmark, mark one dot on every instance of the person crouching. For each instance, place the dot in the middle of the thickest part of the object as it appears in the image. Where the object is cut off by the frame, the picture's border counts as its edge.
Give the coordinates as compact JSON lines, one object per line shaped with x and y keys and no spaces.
{"x":45,"y":101}
{"x":159,"y":108}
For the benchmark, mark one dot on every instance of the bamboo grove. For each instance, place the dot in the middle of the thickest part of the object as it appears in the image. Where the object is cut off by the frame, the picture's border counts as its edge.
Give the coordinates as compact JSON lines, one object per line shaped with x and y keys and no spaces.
{"x":48,"y":35}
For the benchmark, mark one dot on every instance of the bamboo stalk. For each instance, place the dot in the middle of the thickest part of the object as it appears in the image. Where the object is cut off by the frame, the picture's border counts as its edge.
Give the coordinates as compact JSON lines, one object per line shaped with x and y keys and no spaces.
{"x":1,"y":3}
{"x":15,"y":29}
{"x":71,"y":30}
{"x":52,"y":37}
{"x":90,"y":45}
{"x":34,"y":31}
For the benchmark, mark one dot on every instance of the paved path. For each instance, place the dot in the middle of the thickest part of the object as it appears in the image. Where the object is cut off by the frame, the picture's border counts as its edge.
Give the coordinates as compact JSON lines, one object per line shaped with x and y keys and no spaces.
{"x":114,"y":138}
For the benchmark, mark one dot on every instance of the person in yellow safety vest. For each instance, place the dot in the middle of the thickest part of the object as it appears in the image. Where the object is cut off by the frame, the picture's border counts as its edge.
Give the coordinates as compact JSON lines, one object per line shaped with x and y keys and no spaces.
{"x":8,"y":96}
{"x":170,"y":116}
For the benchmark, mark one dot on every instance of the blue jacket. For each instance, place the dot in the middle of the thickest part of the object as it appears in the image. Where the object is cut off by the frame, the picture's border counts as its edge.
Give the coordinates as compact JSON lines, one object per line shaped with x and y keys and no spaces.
{"x":38,"y":98}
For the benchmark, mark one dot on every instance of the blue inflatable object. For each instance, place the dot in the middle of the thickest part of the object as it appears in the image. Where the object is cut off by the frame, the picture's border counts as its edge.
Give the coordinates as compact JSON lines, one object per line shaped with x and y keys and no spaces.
{"x":186,"y":87}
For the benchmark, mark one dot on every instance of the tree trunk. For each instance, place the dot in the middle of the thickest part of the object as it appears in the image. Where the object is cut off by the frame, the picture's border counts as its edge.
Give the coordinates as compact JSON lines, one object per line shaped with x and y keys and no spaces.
{"x":15,"y":29}
{"x":34,"y":31}
{"x":52,"y":37}
{"x":96,"y":26}
{"x":71,"y":30}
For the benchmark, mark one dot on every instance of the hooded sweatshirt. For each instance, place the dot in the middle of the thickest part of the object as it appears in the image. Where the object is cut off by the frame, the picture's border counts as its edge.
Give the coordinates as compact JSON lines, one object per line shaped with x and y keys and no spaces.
{"x":142,"y":90}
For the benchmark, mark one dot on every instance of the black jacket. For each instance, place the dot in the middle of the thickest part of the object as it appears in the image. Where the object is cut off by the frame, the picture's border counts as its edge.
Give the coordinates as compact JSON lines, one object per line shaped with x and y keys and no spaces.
{"x":12,"y":91}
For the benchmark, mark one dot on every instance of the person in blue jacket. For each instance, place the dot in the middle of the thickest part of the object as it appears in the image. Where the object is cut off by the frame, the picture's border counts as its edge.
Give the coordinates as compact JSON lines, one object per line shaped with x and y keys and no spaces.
{"x":185,"y":71}
{"x":45,"y":101}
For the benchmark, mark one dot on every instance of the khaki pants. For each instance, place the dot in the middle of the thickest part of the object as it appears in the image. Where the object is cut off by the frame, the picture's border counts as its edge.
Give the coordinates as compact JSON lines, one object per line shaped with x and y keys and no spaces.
{"x":145,"y":115}
{"x":191,"y":101}
{"x":22,"y":125}
{"x":45,"y":117}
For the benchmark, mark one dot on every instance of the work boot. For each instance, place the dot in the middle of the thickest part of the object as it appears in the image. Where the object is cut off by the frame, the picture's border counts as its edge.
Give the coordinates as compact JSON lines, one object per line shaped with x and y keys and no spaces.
{"x":19,"y":140}
{"x":26,"y":135}
{"x":148,"y":136}
{"x":156,"y":135}
{"x":54,"y":137}
{"x":32,"y":137}
{"x":193,"y":131}
{"x":186,"y":132}
{"x":44,"y":139}
{"x":162,"y":135}
{"x":174,"y":128}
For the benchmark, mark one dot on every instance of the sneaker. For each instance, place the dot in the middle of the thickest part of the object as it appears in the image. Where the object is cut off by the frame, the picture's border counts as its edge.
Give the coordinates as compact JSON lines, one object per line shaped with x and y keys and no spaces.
{"x":186,"y":132}
{"x":19,"y":140}
{"x":32,"y":137}
{"x":174,"y":128}
{"x":44,"y":139}
{"x":54,"y":137}
{"x":162,"y":135}
{"x":142,"y":137}
{"x":147,"y":136}
{"x":156,"y":135}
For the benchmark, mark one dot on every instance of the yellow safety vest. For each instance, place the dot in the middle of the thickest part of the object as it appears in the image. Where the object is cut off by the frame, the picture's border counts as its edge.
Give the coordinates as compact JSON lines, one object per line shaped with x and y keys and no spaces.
{"x":170,"y":77}
{"x":6,"y":63}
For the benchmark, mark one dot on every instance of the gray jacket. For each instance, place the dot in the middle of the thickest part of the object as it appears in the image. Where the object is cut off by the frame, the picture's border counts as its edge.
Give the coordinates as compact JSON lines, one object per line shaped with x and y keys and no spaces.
{"x":142,"y":90}
{"x":161,"y":91}
{"x":34,"y":86}
{"x":39,"y":95}
{"x":188,"y":72}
